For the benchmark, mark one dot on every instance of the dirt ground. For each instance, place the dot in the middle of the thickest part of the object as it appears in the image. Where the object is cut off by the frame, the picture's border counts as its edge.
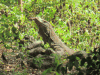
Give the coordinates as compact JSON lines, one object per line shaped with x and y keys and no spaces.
{"x":15,"y":65}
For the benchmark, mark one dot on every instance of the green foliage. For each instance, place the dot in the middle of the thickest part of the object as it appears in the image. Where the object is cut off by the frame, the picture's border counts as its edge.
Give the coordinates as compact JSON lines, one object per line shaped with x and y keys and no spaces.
{"x":91,"y":67}
{"x":46,"y":46}
{"x":8,"y":2}
{"x":75,"y":22}
{"x":71,"y":21}
{"x":52,"y":69}
{"x":47,"y":71}
{"x":38,"y":61}
{"x":13,"y":26}
{"x":24,"y":72}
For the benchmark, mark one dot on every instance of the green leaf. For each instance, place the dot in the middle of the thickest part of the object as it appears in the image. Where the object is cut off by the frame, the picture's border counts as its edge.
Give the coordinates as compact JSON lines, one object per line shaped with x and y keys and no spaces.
{"x":7,"y":46}
{"x":57,"y":73}
{"x":47,"y":71}
{"x":14,"y":29}
{"x":6,"y":25}
{"x":59,"y":67}
{"x":21,"y":36}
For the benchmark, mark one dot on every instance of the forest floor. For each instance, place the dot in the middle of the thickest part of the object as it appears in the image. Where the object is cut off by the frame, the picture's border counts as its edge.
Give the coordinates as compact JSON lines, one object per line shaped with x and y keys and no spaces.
{"x":16,"y":66}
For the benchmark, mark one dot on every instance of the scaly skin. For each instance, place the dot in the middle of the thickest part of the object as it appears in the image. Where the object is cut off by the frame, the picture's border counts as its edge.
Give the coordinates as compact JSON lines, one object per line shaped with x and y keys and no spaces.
{"x":48,"y":35}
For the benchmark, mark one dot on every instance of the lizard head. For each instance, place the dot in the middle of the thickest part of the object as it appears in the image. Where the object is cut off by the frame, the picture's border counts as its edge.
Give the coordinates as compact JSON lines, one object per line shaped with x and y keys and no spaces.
{"x":41,"y":23}
{"x":44,"y":28}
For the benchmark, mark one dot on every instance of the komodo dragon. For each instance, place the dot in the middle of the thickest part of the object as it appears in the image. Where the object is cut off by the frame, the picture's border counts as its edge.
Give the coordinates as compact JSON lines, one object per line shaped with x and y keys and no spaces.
{"x":48,"y":35}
